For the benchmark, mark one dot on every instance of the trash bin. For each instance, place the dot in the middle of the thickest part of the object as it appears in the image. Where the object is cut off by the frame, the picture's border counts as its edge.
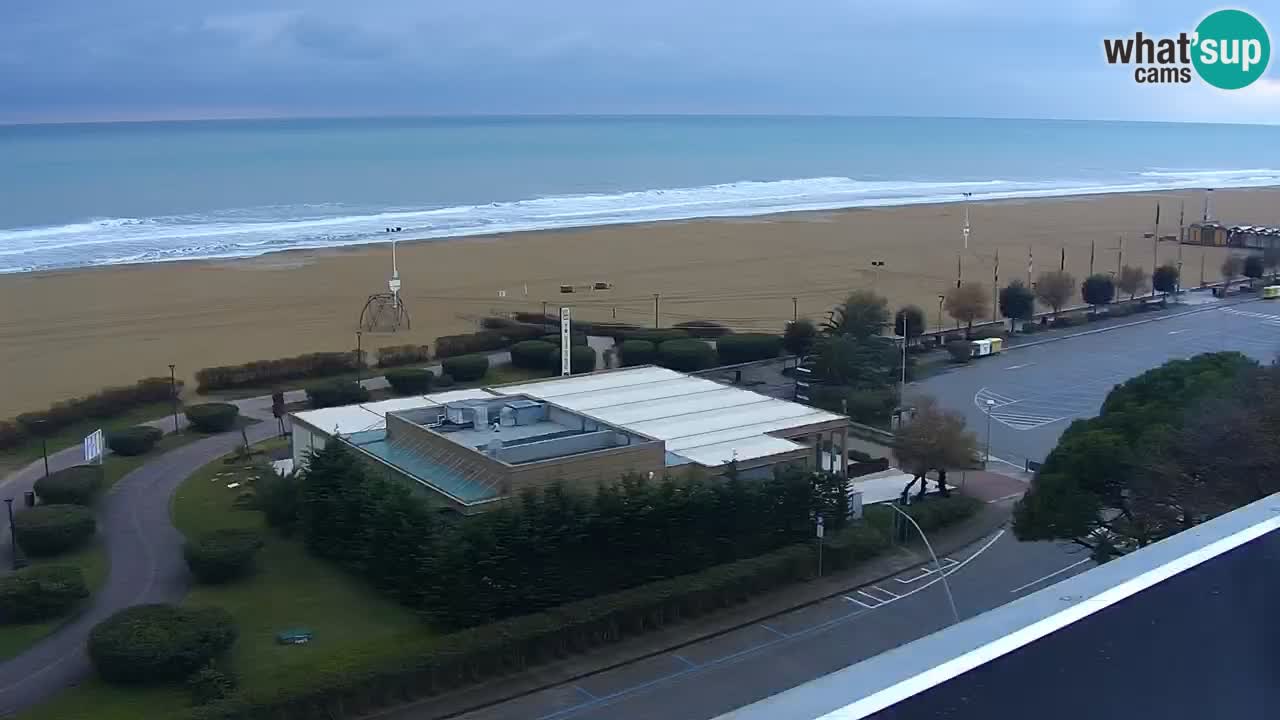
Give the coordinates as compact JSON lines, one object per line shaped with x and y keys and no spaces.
{"x":29,"y":498}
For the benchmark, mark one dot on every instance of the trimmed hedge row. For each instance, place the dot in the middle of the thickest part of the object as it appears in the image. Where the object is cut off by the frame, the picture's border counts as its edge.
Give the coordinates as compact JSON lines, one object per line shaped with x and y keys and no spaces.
{"x":466,"y":368}
{"x":960,"y":351}
{"x":106,"y":403}
{"x":686,"y":355}
{"x":487,"y":340}
{"x":703,"y":329}
{"x":136,"y":440}
{"x":463,"y":658}
{"x":333,"y":394}
{"x":40,"y":592}
{"x":938,"y":512}
{"x":638,"y":352}
{"x":410,"y":381}
{"x":51,"y":529}
{"x":268,"y":372}
{"x":575,"y":338}
{"x":212,"y":417}
{"x":75,"y":485}
{"x":155,"y":643}
{"x":393,"y":355}
{"x":748,"y":347}
{"x":534,"y":354}
{"x":581,"y":359}
{"x":222,"y":555}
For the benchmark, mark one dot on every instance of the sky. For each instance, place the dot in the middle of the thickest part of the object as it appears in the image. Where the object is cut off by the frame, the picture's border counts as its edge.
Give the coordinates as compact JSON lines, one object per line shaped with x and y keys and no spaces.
{"x":89,"y":60}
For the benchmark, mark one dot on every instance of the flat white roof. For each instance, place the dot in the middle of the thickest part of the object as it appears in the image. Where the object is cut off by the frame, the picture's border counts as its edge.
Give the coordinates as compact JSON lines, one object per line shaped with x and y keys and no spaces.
{"x":702,"y":420}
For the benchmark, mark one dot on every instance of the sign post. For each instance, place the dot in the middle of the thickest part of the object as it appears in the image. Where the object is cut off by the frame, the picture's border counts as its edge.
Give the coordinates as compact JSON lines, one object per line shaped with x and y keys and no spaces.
{"x":820,"y":533}
{"x":93,"y":447}
{"x":566,"y":344}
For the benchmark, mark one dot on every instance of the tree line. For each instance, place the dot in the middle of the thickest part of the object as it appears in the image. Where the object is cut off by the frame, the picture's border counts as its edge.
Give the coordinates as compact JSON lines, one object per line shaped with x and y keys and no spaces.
{"x":549,"y":546}
{"x":1170,"y":449}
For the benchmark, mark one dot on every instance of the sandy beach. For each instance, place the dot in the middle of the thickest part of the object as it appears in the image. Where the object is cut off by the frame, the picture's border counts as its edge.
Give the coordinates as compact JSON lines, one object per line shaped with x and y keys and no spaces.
{"x":72,"y":332}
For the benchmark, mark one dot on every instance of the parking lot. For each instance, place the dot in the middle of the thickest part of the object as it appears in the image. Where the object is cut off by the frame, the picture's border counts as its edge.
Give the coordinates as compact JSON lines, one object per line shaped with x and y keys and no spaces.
{"x":1033,"y":393}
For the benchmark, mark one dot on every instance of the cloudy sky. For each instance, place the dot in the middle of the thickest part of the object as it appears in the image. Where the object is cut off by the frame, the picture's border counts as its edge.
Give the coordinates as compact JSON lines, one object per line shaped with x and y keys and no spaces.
{"x":70,"y":60}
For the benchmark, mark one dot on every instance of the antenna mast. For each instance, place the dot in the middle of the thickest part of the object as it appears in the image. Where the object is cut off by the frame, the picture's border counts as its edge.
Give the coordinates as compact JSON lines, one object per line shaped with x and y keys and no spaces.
{"x":394,"y":283}
{"x":966,"y":219}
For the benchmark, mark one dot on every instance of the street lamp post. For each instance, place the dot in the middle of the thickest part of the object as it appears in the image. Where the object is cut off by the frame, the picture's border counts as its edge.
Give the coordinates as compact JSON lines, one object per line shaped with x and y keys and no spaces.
{"x":941,"y":298}
{"x":987,"y":456}
{"x":173,"y":395}
{"x":43,"y":425}
{"x":941,"y":575}
{"x":877,"y":264}
{"x":359,"y":355}
{"x":18,"y":561}
{"x":795,"y":309}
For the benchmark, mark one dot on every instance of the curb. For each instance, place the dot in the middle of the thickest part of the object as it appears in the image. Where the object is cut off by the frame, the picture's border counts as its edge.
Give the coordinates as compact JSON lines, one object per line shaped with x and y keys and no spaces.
{"x":987,"y":529}
{"x":1035,"y":343}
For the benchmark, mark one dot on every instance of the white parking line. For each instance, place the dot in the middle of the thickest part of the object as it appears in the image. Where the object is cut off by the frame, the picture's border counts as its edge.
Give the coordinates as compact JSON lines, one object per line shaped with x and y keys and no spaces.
{"x":858,"y":602}
{"x":1050,"y":575}
{"x":878,"y":601}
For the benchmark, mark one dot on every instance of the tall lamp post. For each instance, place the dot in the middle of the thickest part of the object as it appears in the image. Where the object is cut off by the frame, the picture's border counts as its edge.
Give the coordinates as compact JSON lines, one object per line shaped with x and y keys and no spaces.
{"x":941,"y":298}
{"x":877,"y":264}
{"x":44,"y":443}
{"x":173,"y":395}
{"x":941,"y":575}
{"x":987,"y":455}
{"x":19,"y":562}
{"x":359,"y":355}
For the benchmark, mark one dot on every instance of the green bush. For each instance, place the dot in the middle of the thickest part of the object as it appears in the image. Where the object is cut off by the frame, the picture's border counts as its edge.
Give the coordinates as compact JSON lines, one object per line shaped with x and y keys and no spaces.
{"x":51,"y":529}
{"x":487,"y":340}
{"x":686,"y":355}
{"x":444,"y":381}
{"x":75,"y":485}
{"x":1064,"y":321}
{"x":576,"y":338}
{"x":40,"y":592}
{"x":410,"y":381}
{"x":136,"y":440}
{"x":707,"y":329}
{"x":268,"y":372}
{"x":213,"y":417}
{"x":581,"y":359}
{"x":960,"y":350}
{"x":936,"y":512}
{"x":277,"y":496}
{"x":988,"y":332}
{"x":638,"y":352}
{"x":106,"y":403}
{"x":852,"y":545}
{"x":657,"y":337}
{"x":222,"y":555}
{"x":466,"y":368}
{"x":209,"y":684}
{"x":156,"y":643}
{"x":334,"y":394}
{"x":533,"y":354}
{"x":748,"y":347}
{"x":393,"y":355}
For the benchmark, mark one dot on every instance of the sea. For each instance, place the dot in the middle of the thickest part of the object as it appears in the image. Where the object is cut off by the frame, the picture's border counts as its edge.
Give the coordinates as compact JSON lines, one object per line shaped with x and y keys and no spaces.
{"x":105,"y":194}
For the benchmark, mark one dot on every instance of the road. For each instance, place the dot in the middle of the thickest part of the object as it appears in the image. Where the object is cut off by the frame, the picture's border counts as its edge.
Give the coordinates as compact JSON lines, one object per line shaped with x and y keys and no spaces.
{"x":1037,"y":391}
{"x":713,"y":676}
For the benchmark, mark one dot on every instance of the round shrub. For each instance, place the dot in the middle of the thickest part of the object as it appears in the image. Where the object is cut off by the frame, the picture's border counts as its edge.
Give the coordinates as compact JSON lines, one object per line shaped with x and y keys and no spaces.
{"x":51,"y":529}
{"x":71,"y":486}
{"x":40,"y":592}
{"x":333,"y":394}
{"x":703,"y":328}
{"x":444,"y":381}
{"x":135,"y":440}
{"x":638,"y":352}
{"x":466,"y":368}
{"x":686,"y":355}
{"x":212,"y":417}
{"x":961,"y":351}
{"x":532,"y":354}
{"x":410,"y":381}
{"x":155,"y":643}
{"x":748,"y":347}
{"x":222,"y":555}
{"x":581,"y":359}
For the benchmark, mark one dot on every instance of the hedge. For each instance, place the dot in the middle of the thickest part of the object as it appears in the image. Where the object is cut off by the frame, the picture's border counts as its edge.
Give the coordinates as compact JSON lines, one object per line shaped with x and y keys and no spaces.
{"x":106,"y":403}
{"x":638,"y":352}
{"x":268,"y":372}
{"x":51,"y":529}
{"x":936,"y":512}
{"x":703,"y":329}
{"x":487,"y":340}
{"x":533,"y":354}
{"x":155,"y":643}
{"x":581,"y":359}
{"x":410,"y":381}
{"x":748,"y":347}
{"x":212,"y":417}
{"x":136,"y":440}
{"x":222,"y":555}
{"x":657,"y":337}
{"x":466,"y":367}
{"x":40,"y":592}
{"x":961,"y":351}
{"x":686,"y":355}
{"x":393,"y":355}
{"x":333,"y":394}
{"x":444,"y":381}
{"x":70,"y":486}
{"x":575,"y":338}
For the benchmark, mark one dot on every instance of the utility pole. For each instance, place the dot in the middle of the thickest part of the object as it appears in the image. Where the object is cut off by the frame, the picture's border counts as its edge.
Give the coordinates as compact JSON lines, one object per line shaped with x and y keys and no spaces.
{"x":957,"y":269}
{"x":795,"y":310}
{"x":1030,"y":262}
{"x":941,"y":298}
{"x":1182,"y":207}
{"x":1091,"y":254}
{"x":173,"y":400}
{"x":966,"y":220}
{"x":656,"y":297}
{"x":995,"y":287}
{"x":1062,"y":264}
{"x":1120,"y":254}
{"x":902,"y":389}
{"x":359,"y":355}
{"x":877,"y":264}
{"x":544,"y":315}
{"x":1201,"y":266}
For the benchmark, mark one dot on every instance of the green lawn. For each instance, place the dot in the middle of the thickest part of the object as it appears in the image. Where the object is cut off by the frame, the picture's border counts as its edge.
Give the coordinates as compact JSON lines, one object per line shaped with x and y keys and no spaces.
{"x":290,"y":589}
{"x":16,"y":457}
{"x":92,"y":561}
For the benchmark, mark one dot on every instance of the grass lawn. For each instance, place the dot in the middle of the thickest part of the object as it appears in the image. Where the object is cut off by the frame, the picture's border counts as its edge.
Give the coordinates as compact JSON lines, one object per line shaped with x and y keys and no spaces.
{"x":290,"y":589}
{"x":92,"y":561}
{"x":16,"y":457}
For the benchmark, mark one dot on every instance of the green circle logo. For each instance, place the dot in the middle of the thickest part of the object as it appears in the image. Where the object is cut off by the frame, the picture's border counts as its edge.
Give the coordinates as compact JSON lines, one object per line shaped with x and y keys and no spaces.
{"x":1232,"y":49}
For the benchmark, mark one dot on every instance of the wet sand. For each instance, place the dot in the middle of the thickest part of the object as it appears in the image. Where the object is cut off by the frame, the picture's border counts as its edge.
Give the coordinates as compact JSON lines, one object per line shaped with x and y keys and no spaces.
{"x":71,"y":332}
